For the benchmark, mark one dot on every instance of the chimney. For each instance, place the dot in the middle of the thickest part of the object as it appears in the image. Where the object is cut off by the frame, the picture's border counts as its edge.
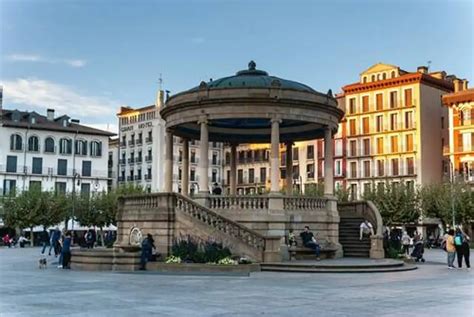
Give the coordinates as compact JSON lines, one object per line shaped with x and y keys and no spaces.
{"x":76,"y":121}
{"x":422,"y":69}
{"x":160,"y":99}
{"x":457,"y":84}
{"x":50,"y":114}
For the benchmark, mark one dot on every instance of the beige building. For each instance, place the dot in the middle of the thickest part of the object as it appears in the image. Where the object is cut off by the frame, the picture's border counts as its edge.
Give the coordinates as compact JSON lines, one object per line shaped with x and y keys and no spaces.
{"x":396,"y":127}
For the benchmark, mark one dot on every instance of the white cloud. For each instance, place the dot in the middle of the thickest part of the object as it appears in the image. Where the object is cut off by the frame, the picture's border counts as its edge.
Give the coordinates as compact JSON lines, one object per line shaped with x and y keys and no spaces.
{"x":42,"y":94}
{"x":32,"y":58}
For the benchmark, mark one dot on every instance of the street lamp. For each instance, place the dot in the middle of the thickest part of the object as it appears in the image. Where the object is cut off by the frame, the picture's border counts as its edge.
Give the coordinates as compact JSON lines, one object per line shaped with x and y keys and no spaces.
{"x":74,"y":177}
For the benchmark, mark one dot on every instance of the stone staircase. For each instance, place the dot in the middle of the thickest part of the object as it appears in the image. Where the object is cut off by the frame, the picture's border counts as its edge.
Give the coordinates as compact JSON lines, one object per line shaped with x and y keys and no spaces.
{"x":349,"y":237}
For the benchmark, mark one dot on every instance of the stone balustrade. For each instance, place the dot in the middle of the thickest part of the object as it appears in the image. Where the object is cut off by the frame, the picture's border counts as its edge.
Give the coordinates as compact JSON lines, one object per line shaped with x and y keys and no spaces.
{"x":304,"y":203}
{"x":220,"y":223}
{"x":239,"y":202}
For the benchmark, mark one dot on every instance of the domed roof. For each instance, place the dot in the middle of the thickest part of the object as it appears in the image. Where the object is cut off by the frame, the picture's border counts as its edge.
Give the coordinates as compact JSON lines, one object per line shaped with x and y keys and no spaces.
{"x":253,"y":78}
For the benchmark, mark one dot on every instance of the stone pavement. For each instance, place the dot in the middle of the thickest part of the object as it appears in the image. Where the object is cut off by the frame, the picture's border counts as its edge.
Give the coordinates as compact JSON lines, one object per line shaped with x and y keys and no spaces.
{"x":432,"y":290}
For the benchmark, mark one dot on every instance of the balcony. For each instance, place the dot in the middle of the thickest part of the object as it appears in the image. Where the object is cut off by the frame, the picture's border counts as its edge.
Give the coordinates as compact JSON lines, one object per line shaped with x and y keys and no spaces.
{"x":149,"y":139}
{"x":138,"y":177}
{"x":139,"y":142}
{"x":123,"y":161}
{"x":130,"y":178}
{"x":139,"y":160}
{"x":121,"y":179}
{"x":148,"y":177}
{"x":131,"y":143}
{"x":148,"y":158}
{"x":123,"y":143}
{"x":131,"y":160}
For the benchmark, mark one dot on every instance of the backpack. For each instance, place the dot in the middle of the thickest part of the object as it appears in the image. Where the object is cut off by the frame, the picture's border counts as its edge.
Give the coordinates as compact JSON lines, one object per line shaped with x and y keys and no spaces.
{"x":458,"y":240}
{"x":89,"y":236}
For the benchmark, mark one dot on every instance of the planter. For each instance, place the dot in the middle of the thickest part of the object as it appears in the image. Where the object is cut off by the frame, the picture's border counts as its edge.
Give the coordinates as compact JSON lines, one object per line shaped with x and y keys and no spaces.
{"x":202,"y":268}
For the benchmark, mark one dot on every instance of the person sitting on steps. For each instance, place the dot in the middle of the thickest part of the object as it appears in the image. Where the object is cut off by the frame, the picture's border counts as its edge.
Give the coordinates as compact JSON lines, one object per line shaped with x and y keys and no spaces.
{"x":309,"y":241}
{"x":366,"y":228}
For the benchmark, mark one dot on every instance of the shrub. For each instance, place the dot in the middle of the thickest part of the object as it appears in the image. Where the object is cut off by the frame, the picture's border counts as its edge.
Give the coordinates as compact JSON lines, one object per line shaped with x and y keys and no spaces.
{"x":194,"y":251}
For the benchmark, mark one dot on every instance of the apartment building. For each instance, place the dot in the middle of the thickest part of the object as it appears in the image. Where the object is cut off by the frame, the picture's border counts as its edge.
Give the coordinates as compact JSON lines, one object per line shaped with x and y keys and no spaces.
{"x":51,"y":152}
{"x":396,"y":127}
{"x":460,"y":151}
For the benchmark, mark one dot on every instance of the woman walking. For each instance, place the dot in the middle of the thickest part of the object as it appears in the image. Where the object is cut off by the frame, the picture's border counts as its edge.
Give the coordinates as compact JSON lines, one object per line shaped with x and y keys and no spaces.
{"x":450,"y":248}
{"x":461,"y":243}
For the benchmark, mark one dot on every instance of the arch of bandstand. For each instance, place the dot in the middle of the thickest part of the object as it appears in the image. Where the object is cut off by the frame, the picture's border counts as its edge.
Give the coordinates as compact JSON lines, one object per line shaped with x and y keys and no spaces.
{"x":249,"y":107}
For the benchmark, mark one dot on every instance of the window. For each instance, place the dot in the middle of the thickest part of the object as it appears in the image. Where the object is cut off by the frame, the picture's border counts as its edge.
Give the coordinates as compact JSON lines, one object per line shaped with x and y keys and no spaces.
{"x":251,"y":176}
{"x":37,"y":166}
{"x":85,"y":189}
{"x":393,"y":121}
{"x":394,"y":143}
{"x":352,"y":105}
{"x":296,"y":172}
{"x":353,"y":147}
{"x":263,"y":175}
{"x":33,"y":144}
{"x":379,"y":123}
{"x":409,"y":120}
{"x":338,"y":169}
{"x":338,"y":143}
{"x":367,"y":188}
{"x":35,"y":185}
{"x":228,"y":178}
{"x":214,"y":176}
{"x":310,"y":170}
{"x":214,"y":158}
{"x":193,"y":156}
{"x":65,"y":146}
{"x":394,"y":167}
{"x":366,"y":146}
{"x":380,"y":168}
{"x":352,"y":127}
{"x":393,"y":74}
{"x":384,"y":76}
{"x":380,"y":145}
{"x":365,"y":125}
{"x":366,"y":168}
{"x":80,"y":147}
{"x":295,"y":154}
{"x":11,"y":164}
{"x":393,"y":99}
{"x":310,"y":152}
{"x":365,"y":104}
{"x":9,"y":187}
{"x":379,"y":101}
{"x":16,"y":142}
{"x":364,"y":79}
{"x":240,"y":176}
{"x":49,"y":145}
{"x":353,"y":191}
{"x":96,"y":148}
{"x":282,"y":173}
{"x":86,"y":168}
{"x":353,"y":169}
{"x":373,"y":78}
{"x":62,"y":167}
{"x":60,"y":187}
{"x":408,"y":98}
{"x":409,"y":142}
{"x":410,"y":166}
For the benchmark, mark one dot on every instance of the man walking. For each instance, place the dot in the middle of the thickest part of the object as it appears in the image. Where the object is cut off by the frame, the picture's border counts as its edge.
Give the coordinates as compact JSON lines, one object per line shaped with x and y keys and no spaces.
{"x":309,"y":241}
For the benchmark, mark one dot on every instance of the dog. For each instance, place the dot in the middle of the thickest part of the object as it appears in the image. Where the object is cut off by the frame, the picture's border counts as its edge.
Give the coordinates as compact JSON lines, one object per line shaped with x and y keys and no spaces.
{"x":42,"y":263}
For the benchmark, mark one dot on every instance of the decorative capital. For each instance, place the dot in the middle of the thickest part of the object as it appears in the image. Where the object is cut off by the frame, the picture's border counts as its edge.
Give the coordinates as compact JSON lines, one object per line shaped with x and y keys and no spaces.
{"x":203,"y":120}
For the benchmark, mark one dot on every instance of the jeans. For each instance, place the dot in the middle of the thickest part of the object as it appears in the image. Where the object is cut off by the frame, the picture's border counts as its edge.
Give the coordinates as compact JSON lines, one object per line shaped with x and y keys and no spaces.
{"x":144,"y":259}
{"x":66,"y":258}
{"x":313,"y":245}
{"x":451,"y":256}
{"x":406,"y":249}
{"x":45,"y":244}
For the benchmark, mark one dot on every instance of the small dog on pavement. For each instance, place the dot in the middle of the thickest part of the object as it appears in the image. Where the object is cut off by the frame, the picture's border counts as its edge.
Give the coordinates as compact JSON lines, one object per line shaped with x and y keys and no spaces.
{"x":42,"y":263}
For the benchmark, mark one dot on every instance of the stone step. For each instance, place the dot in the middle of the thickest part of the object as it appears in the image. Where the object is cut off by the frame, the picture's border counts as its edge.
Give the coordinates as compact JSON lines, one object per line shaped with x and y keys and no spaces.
{"x":402,"y":268}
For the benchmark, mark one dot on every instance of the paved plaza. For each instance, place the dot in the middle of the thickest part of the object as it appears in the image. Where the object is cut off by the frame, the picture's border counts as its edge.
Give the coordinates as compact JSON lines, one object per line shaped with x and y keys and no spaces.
{"x":432,"y":290}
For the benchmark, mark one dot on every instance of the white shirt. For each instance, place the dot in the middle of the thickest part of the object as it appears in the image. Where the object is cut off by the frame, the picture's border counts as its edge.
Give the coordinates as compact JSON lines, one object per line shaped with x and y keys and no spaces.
{"x":366,"y":226}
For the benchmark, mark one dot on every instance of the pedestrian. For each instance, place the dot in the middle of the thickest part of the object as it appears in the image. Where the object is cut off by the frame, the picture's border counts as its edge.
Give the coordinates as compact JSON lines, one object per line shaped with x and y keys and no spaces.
{"x":461,"y":243}
{"x":66,"y":251}
{"x":309,"y":241}
{"x":89,"y":239}
{"x":147,"y":246}
{"x":450,"y":248}
{"x":54,"y":241}
{"x":366,"y":229}
{"x":406,"y":243}
{"x":7,"y":240}
{"x":45,"y":240}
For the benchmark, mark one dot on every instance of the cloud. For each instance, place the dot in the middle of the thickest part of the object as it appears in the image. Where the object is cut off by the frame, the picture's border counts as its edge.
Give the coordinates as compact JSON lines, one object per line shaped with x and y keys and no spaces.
{"x":42,"y":94}
{"x":32,"y":58}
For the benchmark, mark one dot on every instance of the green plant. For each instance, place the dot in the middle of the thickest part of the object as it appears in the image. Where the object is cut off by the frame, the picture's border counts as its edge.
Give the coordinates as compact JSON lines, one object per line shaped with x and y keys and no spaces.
{"x":392,"y":253}
{"x":173,"y":259}
{"x":192,"y":250}
{"x":227,"y":261}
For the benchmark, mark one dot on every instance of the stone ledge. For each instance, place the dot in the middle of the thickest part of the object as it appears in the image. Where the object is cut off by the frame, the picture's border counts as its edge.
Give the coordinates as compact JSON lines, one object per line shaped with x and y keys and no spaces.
{"x":202,"y":267}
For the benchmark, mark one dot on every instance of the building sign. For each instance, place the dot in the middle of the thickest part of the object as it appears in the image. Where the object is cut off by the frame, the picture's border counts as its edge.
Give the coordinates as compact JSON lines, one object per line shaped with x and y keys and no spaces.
{"x":145,"y":125}
{"x":125,"y":129}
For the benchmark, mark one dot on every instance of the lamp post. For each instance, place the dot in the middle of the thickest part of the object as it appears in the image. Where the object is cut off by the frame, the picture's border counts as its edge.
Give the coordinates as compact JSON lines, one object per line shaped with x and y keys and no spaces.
{"x":73,"y":209}
{"x":452,"y":193}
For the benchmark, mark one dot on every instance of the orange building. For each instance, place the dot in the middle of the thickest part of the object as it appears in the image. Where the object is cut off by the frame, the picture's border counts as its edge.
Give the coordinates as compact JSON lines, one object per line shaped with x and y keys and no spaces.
{"x":396,"y":127}
{"x":460,"y":152}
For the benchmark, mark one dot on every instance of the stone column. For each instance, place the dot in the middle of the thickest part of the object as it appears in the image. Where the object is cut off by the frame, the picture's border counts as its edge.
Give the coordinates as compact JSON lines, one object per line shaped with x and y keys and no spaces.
{"x":289,"y":168}
{"x":328,"y":163}
{"x":185,"y":168}
{"x":204,"y":158}
{"x":274,"y":156}
{"x":233,"y":169}
{"x":169,"y":162}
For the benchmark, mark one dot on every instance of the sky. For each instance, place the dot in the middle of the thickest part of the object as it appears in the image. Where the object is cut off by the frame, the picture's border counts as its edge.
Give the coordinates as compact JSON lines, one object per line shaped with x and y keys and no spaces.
{"x":87,"y":58}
